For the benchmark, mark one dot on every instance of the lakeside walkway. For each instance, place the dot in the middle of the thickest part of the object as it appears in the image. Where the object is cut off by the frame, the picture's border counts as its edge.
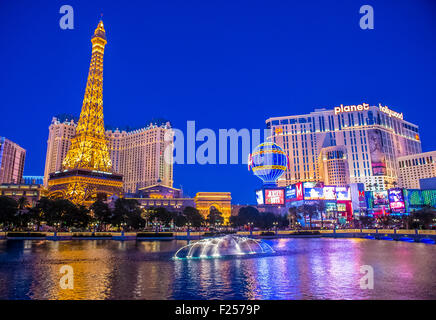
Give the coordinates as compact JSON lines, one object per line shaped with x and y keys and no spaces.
{"x":378,"y":234}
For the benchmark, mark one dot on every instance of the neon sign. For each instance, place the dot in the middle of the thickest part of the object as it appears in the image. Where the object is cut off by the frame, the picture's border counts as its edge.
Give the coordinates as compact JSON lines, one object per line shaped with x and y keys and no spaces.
{"x":274,"y":196}
{"x":352,"y":108}
{"x":365,"y":107}
{"x":390,"y":112}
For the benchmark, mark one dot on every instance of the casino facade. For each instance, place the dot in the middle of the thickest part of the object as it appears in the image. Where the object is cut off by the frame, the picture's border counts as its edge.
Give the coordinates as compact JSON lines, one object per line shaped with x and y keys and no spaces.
{"x":345,"y":145}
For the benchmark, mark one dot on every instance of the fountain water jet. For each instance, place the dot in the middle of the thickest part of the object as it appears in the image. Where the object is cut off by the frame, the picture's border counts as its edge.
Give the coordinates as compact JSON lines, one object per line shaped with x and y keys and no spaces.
{"x":228,"y":245}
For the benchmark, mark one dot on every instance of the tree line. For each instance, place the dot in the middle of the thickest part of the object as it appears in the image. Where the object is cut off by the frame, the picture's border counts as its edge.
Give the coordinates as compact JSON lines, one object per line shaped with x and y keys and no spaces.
{"x":250,"y":216}
{"x":125,"y":214}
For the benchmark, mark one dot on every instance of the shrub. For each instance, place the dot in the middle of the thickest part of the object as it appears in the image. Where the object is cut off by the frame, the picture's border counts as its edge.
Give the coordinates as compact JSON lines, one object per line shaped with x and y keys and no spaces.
{"x":91,"y":235}
{"x":307,"y":233}
{"x":267,"y":233}
{"x":213,"y":234}
{"x":26,"y":234}
{"x":154,"y":234}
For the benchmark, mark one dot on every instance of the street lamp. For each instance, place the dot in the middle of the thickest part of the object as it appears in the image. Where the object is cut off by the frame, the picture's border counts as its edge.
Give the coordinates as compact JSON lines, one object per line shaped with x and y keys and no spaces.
{"x":250,"y":226}
{"x":189,"y":229}
{"x":156,"y":226}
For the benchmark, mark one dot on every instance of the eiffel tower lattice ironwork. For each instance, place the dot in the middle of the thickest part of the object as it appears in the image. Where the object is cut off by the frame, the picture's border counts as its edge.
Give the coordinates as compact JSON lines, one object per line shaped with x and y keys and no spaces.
{"x":89,"y":146}
{"x":87,"y":168}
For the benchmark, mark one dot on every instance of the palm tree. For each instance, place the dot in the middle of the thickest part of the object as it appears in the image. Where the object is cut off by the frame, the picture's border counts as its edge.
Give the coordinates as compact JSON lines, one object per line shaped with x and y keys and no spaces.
{"x":307,"y":210}
{"x":320,"y":208}
{"x":22,"y":213}
{"x":22,"y":203}
{"x":293,"y":216}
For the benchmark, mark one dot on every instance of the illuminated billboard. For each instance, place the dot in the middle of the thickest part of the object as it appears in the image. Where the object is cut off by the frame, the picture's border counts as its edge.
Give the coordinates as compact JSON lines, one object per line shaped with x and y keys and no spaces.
{"x":396,"y":199}
{"x":291,"y":193}
{"x":274,"y":196}
{"x":343,"y":193}
{"x":299,"y":191}
{"x":313,"y":191}
{"x":294,"y":192}
{"x":342,"y":207}
{"x":329,"y":193}
{"x":380,"y":198}
{"x":259,"y":196}
{"x":378,"y":158}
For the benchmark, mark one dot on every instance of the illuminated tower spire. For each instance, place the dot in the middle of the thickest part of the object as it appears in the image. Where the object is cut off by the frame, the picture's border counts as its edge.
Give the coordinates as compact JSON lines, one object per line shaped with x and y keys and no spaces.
{"x":87,"y":169}
{"x":89,"y":146}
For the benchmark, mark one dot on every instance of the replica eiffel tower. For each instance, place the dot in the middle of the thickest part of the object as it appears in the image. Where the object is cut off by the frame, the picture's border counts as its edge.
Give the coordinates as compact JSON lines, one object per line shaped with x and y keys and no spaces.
{"x":87,"y":169}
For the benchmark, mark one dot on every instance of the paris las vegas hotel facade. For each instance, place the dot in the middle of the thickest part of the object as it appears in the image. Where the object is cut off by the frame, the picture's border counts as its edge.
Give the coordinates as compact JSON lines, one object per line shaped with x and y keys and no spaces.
{"x":345,"y":145}
{"x":137,"y":154}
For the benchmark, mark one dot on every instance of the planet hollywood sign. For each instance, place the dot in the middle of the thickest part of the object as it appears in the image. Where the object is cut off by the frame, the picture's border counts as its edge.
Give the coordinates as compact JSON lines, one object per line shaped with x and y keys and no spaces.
{"x":365,"y":107}
{"x":390,"y":112}
{"x":352,"y":108}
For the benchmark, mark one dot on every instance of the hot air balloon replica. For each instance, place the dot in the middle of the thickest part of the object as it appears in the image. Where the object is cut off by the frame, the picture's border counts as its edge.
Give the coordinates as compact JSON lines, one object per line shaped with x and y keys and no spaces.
{"x":268,"y":162}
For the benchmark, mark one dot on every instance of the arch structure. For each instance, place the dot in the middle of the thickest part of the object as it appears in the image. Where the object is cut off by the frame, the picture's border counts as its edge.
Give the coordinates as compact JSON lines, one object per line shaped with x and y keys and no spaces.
{"x":222,"y":201}
{"x":83,"y":186}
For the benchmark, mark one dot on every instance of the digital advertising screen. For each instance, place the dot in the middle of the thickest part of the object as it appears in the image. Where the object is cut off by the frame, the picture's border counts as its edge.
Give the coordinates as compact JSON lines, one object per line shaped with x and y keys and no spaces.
{"x":341,"y":207}
{"x":299,"y":191}
{"x":343,"y":193}
{"x":291,"y":193}
{"x":380,"y":198}
{"x":378,"y":158}
{"x":396,"y":199}
{"x":294,"y":192}
{"x":312,"y":191}
{"x":329,"y":193}
{"x":275,"y":196}
{"x":259,"y":196}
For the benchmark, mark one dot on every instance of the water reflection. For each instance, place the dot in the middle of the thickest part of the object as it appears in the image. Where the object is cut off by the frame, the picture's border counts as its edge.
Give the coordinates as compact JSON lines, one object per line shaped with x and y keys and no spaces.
{"x":300,"y":269}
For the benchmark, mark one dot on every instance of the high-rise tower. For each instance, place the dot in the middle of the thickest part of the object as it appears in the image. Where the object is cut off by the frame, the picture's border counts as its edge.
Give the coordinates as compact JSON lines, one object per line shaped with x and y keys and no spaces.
{"x":11,"y":161}
{"x":86,"y":173}
{"x":89,"y":147}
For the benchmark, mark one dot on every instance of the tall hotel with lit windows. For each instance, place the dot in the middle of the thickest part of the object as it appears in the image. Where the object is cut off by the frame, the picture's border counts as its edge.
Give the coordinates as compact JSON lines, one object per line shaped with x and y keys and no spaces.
{"x":12,"y":158}
{"x":346,"y":144}
{"x":414,"y":167}
{"x":139,"y":155}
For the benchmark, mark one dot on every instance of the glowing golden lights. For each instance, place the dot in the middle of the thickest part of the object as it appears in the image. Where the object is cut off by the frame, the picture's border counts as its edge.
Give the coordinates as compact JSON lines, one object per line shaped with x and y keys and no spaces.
{"x":204,"y":201}
{"x":89,"y":146}
{"x":89,"y":149}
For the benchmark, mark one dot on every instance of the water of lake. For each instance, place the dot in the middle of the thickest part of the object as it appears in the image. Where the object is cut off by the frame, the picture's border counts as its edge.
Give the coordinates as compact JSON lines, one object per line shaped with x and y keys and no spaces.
{"x":300,"y":269}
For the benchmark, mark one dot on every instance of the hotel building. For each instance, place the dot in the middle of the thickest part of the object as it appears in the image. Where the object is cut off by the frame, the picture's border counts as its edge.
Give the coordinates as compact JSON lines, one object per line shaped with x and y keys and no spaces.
{"x":347,"y":144}
{"x":138,"y":155}
{"x":414,"y":167}
{"x":31,"y":192}
{"x":11,"y":161}
{"x":60,"y":132}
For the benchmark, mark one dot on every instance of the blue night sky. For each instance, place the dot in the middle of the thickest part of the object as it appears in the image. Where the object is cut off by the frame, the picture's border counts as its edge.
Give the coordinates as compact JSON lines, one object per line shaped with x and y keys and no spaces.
{"x":224,"y":64}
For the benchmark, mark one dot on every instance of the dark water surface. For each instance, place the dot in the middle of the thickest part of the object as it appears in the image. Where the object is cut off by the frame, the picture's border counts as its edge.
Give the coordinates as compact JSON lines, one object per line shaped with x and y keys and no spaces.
{"x":300,"y":269}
